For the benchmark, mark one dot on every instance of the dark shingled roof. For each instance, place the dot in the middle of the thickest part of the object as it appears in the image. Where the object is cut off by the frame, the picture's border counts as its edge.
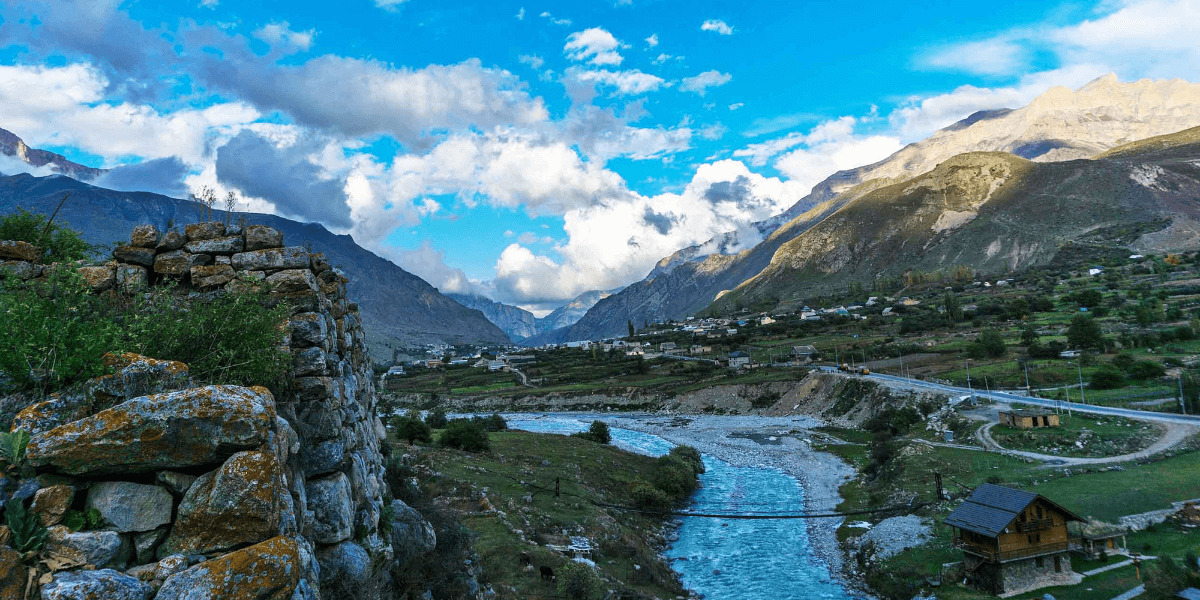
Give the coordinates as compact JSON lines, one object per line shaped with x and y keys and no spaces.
{"x":990,"y":509}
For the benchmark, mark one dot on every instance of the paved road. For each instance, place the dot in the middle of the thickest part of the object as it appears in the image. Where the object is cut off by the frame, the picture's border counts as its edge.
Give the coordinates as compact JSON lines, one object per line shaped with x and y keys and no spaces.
{"x":1008,"y":398}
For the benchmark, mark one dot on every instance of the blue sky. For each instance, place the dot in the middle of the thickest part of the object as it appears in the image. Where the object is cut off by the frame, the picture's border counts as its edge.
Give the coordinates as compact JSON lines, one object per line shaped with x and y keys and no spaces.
{"x":534,"y":151}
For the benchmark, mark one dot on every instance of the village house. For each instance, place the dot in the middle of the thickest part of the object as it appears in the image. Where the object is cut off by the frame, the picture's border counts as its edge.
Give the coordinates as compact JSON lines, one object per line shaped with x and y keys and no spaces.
{"x":738,"y":359}
{"x":1013,"y":541}
{"x":1028,"y":419}
{"x":663,"y":347}
{"x":804,"y":351}
{"x":1098,"y":538}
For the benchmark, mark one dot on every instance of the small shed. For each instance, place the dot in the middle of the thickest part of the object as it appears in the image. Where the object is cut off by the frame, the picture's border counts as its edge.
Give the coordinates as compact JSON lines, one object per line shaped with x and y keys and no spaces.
{"x":1098,"y":537}
{"x":1028,"y":419}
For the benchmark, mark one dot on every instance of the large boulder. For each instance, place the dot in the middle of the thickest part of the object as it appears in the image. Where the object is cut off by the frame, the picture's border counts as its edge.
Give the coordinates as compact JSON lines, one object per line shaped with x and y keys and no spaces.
{"x":131,"y":507}
{"x":325,"y":457}
{"x":171,"y":240}
{"x":18,"y":250}
{"x":308,"y":329}
{"x":134,"y":255}
{"x":411,"y":534}
{"x":187,"y":428}
{"x":240,"y":503}
{"x":266,"y":571}
{"x":57,"y":411}
{"x":105,"y":584}
{"x":212,"y":275}
{"x":51,"y":503}
{"x":291,"y":281}
{"x":175,"y":263}
{"x":332,"y":505}
{"x":259,"y":237}
{"x":272,"y":259}
{"x":69,"y":549}
{"x":221,"y":245}
{"x":345,"y":567}
{"x":100,"y":278}
{"x":137,"y":375}
{"x":204,"y":231}
{"x":145,"y":236}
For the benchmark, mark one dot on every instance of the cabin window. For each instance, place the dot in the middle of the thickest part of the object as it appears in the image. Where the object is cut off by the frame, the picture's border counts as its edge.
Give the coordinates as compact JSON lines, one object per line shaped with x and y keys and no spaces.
{"x":1058,"y":564}
{"x":1039,"y":562}
{"x":1039,"y":512}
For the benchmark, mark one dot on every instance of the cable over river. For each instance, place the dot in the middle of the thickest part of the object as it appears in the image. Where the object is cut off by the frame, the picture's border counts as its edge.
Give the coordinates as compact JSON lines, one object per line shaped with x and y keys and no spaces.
{"x":738,"y":559}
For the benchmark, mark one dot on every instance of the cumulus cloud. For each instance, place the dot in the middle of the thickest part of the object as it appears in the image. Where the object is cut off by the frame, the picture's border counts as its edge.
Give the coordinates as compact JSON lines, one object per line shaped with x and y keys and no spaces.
{"x":389,"y":4}
{"x":555,"y":20}
{"x":652,"y":41}
{"x":429,"y":264}
{"x":12,"y":165}
{"x":286,"y":175}
{"x":716,"y":26}
{"x":709,"y":79}
{"x":595,"y":46}
{"x":281,"y":35}
{"x":623,"y":83}
{"x":161,"y":176}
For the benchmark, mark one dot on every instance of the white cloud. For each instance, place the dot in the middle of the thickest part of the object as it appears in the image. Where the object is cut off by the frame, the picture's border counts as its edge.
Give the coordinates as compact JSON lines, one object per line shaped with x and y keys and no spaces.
{"x":736,"y":105}
{"x":595,"y":45}
{"x":521,"y":14}
{"x":64,"y":106}
{"x":626,"y":83}
{"x":652,"y":41}
{"x":534,"y":61}
{"x":389,"y":4}
{"x":662,"y":58}
{"x":209,"y":3}
{"x":713,"y":132}
{"x":556,"y":21}
{"x":716,"y":25}
{"x":281,"y":35}
{"x":987,"y":57}
{"x":708,"y":79}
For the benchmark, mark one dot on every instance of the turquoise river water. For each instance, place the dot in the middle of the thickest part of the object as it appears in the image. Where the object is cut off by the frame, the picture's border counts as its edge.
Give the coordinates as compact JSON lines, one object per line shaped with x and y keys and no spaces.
{"x":727,"y":559}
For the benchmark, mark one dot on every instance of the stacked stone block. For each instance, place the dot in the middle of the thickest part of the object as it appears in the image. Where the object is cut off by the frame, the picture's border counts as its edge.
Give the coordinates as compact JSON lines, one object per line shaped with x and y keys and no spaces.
{"x":296,"y":481}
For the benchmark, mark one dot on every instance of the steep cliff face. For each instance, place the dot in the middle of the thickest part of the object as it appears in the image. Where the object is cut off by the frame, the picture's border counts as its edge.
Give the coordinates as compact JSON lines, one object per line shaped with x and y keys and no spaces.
{"x":11,"y":145}
{"x":1060,"y":125}
{"x":220,"y":491}
{"x":398,"y":308}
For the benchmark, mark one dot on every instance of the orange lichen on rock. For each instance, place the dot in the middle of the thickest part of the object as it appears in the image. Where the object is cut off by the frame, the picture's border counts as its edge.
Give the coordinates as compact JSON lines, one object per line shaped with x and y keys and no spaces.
{"x":266,"y":571}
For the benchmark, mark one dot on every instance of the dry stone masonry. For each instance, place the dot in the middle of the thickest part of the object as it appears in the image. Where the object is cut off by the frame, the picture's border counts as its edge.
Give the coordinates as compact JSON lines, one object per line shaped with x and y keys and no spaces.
{"x":217,"y":491}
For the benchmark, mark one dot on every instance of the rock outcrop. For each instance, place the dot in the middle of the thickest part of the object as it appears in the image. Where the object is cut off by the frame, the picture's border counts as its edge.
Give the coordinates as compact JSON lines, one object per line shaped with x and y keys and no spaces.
{"x":214,"y":491}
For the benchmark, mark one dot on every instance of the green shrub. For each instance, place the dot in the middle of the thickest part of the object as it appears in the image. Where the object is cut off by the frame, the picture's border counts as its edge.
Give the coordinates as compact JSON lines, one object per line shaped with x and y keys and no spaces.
{"x":598,"y":433}
{"x":495,"y":422}
{"x":230,"y":338}
{"x":645,"y":495}
{"x":1107,"y":377}
{"x":675,"y":476}
{"x":76,"y":520}
{"x":464,"y":434}
{"x":577,"y":581}
{"x":689,"y":455}
{"x":410,"y":427}
{"x":54,"y":332}
{"x":56,"y":242}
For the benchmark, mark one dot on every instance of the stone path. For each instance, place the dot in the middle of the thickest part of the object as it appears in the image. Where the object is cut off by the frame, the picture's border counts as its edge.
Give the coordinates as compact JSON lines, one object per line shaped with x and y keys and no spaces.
{"x":1175,"y":434}
{"x":1134,"y":593}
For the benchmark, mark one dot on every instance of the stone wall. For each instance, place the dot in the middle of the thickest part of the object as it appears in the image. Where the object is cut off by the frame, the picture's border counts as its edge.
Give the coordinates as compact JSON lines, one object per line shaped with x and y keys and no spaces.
{"x":236,"y":492}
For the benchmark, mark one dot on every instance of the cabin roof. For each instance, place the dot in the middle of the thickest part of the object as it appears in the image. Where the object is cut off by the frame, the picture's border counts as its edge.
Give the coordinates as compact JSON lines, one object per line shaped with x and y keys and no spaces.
{"x":990,"y":509}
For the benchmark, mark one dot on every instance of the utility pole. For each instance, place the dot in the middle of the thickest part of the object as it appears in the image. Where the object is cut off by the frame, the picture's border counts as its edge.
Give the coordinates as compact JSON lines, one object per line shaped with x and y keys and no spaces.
{"x":1082,"y":399}
{"x":937,"y":478}
{"x":1028,"y":388}
{"x":901,"y":350}
{"x":969,"y":381}
{"x":1182,"y":405}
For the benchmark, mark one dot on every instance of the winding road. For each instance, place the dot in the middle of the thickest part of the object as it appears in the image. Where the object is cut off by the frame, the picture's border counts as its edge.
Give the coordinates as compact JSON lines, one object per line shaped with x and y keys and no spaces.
{"x":1178,"y":427}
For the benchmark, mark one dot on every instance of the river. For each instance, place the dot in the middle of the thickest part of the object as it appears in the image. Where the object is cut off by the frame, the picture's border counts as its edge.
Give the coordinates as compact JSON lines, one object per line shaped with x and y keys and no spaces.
{"x":734,"y":559}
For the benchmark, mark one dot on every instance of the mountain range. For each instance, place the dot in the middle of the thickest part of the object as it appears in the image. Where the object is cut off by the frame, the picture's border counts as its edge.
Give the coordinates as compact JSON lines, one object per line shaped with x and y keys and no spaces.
{"x":1059,"y":126}
{"x":521,"y":325}
{"x":399,"y":309}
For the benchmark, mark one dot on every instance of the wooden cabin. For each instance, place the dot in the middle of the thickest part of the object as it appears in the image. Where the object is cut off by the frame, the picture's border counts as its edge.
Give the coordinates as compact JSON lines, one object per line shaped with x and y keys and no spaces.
{"x":1012,"y":540}
{"x":1028,"y":419}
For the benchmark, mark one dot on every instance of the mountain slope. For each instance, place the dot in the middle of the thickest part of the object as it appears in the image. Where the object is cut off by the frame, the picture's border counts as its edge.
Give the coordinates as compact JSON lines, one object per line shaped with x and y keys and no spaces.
{"x":1059,"y":125}
{"x":517,"y":323}
{"x":399,"y":309}
{"x":995,"y":212}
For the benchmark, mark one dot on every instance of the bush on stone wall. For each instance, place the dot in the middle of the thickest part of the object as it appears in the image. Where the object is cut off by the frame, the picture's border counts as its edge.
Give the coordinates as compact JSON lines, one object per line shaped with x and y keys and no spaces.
{"x":56,"y":243}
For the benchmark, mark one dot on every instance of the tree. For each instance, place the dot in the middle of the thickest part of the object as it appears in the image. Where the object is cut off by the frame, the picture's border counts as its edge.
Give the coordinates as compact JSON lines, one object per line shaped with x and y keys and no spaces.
{"x":1029,"y":336}
{"x":598,"y":432}
{"x":410,"y":427}
{"x":577,"y":581}
{"x":436,"y":419}
{"x":1085,"y":332}
{"x":954,"y":311}
{"x":989,"y":345}
{"x":629,"y":326}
